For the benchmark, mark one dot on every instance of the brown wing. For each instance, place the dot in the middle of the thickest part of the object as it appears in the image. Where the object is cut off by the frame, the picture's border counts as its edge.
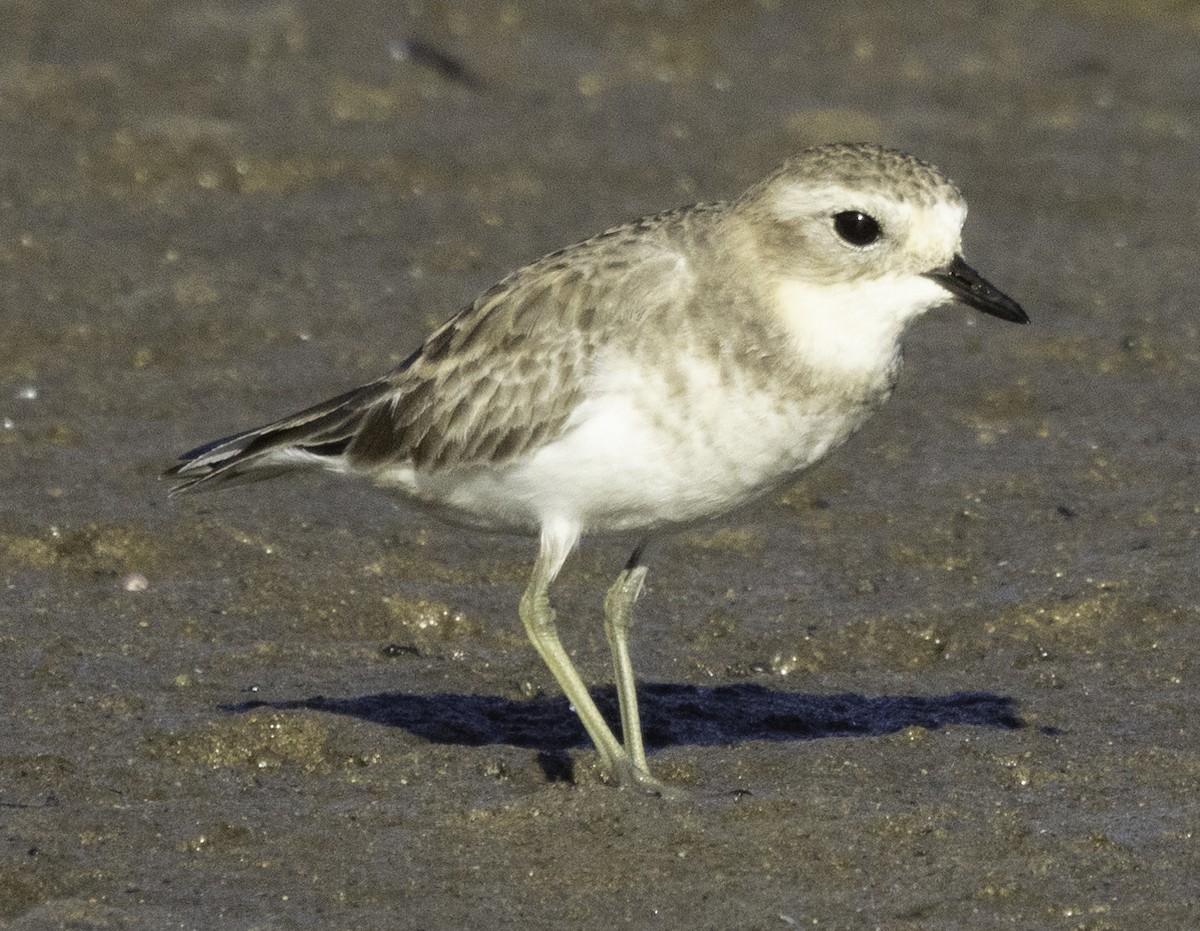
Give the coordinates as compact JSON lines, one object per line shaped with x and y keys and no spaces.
{"x":492,"y":384}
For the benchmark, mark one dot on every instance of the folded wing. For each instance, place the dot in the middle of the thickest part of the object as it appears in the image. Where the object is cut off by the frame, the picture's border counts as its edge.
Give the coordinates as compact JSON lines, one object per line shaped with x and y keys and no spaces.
{"x":492,"y":384}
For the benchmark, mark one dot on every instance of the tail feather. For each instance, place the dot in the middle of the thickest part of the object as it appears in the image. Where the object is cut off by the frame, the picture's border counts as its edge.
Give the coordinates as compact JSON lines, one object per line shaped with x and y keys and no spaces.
{"x":313,"y":438}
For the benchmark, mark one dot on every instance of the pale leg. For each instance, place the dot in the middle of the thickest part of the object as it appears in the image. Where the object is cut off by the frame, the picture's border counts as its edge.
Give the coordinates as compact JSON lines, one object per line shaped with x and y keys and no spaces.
{"x":539,"y":620}
{"x":618,"y":619}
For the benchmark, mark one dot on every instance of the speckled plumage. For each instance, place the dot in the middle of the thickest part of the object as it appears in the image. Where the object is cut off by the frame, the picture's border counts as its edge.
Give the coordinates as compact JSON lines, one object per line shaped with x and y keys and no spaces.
{"x":657,"y":374}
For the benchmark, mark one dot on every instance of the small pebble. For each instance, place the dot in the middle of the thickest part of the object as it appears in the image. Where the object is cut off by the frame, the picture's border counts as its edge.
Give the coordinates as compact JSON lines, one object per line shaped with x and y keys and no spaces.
{"x":135,"y":582}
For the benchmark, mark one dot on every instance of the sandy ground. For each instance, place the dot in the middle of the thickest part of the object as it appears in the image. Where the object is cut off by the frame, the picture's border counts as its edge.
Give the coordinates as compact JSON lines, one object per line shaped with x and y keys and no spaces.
{"x":948,"y":681}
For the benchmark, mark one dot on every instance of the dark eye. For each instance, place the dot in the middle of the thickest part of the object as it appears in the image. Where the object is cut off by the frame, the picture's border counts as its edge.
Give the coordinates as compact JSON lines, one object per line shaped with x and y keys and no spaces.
{"x":856,"y":227}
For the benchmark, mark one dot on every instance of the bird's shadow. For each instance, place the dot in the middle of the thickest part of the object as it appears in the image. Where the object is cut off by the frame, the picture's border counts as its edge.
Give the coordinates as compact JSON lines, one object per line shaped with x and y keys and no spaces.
{"x":671,"y":715}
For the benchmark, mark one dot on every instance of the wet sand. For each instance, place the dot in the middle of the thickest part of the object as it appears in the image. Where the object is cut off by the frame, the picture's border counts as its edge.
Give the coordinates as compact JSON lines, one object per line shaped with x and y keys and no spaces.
{"x":948,"y":680}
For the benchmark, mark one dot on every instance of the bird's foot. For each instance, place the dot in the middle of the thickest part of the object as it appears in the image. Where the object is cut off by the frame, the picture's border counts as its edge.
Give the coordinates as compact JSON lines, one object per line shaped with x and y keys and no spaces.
{"x":628,"y":775}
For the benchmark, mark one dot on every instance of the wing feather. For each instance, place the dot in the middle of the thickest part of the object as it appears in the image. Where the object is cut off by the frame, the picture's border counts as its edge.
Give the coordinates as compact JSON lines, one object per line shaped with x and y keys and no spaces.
{"x":492,"y":384}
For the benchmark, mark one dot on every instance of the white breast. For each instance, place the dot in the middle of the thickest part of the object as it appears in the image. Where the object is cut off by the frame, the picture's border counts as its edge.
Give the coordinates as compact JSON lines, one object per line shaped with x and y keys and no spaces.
{"x":645,"y":451}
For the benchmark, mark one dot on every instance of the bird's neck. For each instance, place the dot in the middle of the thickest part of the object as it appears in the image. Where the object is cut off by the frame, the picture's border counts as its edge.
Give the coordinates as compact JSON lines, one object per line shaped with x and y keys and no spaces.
{"x":849,"y":331}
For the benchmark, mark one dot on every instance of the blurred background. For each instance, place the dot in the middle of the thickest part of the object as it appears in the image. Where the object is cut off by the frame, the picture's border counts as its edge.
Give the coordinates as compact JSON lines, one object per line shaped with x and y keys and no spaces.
{"x":945,"y":681}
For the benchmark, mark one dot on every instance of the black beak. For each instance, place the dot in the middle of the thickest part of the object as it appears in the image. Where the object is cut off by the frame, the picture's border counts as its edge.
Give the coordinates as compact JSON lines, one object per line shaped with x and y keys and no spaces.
{"x":970,"y":287}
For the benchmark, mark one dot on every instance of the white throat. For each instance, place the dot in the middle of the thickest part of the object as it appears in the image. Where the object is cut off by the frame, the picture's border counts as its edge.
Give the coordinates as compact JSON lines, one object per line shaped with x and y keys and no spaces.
{"x":854,"y":326}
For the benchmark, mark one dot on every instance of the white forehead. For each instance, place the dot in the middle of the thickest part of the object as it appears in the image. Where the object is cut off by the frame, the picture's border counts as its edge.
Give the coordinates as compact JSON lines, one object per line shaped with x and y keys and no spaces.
{"x":929,"y":221}
{"x":797,"y":200}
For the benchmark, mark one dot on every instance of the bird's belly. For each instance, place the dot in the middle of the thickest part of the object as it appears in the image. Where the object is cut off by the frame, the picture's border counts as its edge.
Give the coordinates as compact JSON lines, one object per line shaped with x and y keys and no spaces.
{"x":628,"y":463}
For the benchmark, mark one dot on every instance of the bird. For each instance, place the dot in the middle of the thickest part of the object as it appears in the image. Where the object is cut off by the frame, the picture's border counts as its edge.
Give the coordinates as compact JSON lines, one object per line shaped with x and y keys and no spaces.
{"x":653,"y":377}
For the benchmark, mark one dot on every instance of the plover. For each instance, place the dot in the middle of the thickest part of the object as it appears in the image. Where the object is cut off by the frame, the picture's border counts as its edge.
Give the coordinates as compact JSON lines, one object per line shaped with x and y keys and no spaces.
{"x":659,"y":374}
